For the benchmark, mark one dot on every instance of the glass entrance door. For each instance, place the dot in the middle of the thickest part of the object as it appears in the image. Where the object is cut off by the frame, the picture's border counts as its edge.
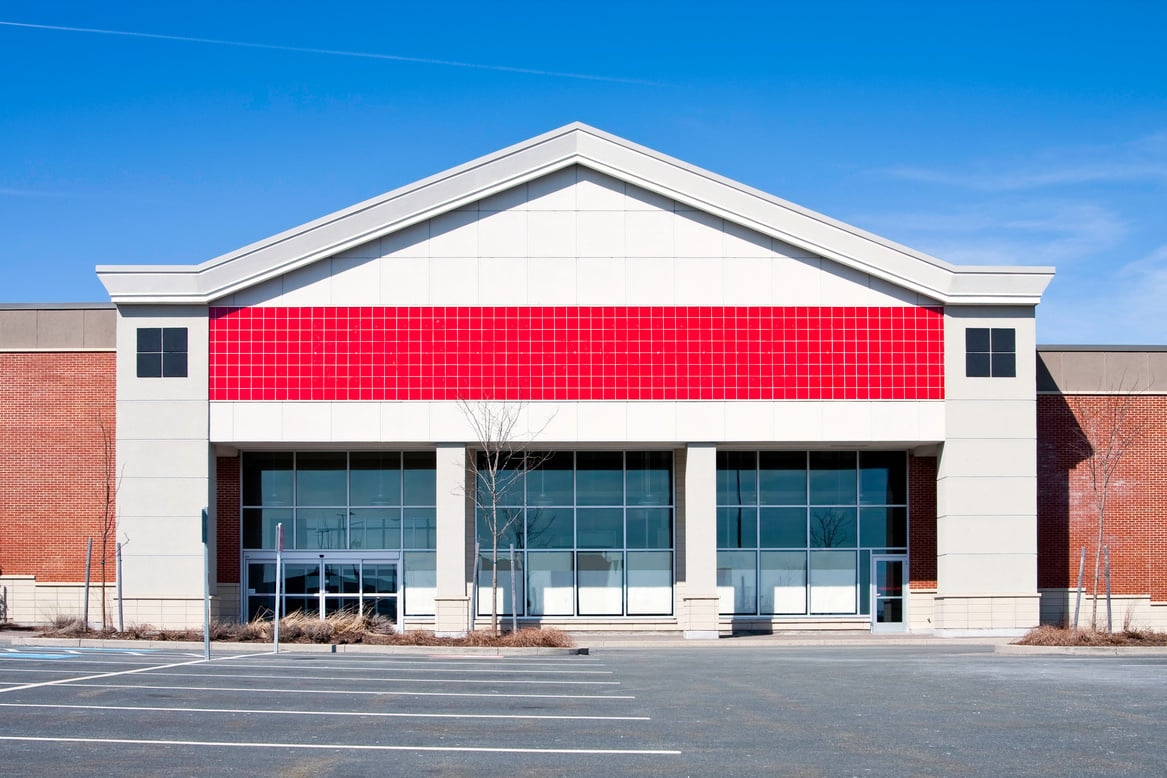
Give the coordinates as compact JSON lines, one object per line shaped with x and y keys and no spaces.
{"x":320,"y":584}
{"x":889,"y":586}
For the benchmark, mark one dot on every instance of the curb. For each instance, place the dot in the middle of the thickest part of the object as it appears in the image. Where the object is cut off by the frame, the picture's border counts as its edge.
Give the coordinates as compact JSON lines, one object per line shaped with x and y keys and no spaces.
{"x":296,"y":648}
{"x":1083,"y":650}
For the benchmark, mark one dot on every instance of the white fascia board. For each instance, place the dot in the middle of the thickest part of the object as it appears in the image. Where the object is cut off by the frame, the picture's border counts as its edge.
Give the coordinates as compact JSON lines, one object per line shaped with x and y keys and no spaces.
{"x":574,"y":144}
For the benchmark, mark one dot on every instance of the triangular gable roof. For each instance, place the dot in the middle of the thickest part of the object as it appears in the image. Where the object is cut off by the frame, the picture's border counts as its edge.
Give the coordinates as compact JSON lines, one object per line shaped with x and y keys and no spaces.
{"x":575,"y":144}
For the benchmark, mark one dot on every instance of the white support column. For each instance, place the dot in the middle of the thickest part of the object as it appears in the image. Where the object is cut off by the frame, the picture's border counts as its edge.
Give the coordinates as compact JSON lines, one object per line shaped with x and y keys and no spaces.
{"x":699,"y":616}
{"x":452,"y":602}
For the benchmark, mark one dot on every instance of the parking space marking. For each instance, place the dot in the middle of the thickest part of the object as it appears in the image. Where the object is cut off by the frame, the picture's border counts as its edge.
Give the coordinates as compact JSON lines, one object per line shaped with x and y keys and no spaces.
{"x":270,"y":690}
{"x":327,"y":712}
{"x":507,"y":681}
{"x":96,"y":676}
{"x":424,"y":668}
{"x":347,"y":747}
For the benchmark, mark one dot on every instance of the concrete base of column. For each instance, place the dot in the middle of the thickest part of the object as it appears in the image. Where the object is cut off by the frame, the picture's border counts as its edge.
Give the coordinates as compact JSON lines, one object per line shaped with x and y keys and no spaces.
{"x":701,"y":617}
{"x":451,"y":616}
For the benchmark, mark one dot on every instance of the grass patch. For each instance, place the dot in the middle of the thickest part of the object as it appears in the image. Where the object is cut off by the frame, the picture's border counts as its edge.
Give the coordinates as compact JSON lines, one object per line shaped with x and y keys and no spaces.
{"x":337,"y":628}
{"x":1062,"y":636}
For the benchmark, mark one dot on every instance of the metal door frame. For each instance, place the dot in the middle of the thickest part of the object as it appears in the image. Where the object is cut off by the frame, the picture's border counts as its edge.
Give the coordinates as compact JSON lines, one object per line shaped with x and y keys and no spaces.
{"x":902,"y":626}
{"x":322,"y":558}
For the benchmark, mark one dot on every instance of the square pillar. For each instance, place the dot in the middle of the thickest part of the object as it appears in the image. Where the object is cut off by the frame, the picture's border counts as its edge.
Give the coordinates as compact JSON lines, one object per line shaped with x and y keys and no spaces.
{"x":451,"y":601}
{"x":699,"y":616}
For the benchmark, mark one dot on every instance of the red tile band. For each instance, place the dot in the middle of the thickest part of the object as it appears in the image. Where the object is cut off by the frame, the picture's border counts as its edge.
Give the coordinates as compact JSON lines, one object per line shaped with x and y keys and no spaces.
{"x":577,"y":353}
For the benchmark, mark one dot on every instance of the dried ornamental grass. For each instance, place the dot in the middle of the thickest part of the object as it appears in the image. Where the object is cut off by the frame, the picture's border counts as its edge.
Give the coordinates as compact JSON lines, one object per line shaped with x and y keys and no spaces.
{"x":1046,"y":635}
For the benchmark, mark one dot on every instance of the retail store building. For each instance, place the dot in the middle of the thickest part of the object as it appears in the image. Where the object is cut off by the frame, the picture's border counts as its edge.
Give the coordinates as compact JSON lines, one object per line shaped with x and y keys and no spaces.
{"x":746,"y":415}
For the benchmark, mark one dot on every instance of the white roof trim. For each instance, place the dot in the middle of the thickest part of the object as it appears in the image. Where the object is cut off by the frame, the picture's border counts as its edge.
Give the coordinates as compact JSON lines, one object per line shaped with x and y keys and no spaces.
{"x":575,"y":144}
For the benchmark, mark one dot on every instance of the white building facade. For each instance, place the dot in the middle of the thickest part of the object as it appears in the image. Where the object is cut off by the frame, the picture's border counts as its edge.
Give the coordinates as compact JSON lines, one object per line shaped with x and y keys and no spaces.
{"x":746,"y":416}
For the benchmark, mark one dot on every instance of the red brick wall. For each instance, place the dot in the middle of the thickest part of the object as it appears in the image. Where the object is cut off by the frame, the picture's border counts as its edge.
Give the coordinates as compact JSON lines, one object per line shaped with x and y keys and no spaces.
{"x":53,"y":470}
{"x":227,"y":512}
{"x":1136,"y":510}
{"x":922,"y":522}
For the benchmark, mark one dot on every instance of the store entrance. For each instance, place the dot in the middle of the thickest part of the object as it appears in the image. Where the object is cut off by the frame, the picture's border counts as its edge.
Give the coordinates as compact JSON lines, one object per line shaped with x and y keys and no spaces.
{"x":320,"y":584}
{"x":889,"y":585}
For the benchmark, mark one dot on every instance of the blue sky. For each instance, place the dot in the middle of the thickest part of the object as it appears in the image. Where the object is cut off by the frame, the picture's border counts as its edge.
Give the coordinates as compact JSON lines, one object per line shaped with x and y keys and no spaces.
{"x":984,"y":133}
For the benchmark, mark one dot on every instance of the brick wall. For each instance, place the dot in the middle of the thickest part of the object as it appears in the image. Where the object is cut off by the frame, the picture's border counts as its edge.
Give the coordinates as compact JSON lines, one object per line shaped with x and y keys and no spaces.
{"x":922,"y":522}
{"x":228,"y":519}
{"x":53,"y":470}
{"x":1136,"y":512}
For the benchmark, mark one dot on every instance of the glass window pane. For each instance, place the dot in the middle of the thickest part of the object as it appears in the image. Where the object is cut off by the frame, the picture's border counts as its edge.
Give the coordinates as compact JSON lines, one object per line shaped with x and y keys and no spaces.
{"x":1004,"y":340}
{"x":174,"y":339}
{"x":737,"y":478}
{"x":737,"y":574}
{"x":319,"y":528}
{"x":174,"y":365}
{"x":259,"y":527}
{"x":783,"y":528}
{"x":421,"y":582}
{"x":883,"y":527}
{"x":833,"y":528}
{"x":506,"y":583}
{"x":650,"y":583}
{"x":883,"y":478}
{"x":601,"y":583}
{"x":420,"y":528}
{"x":374,"y":528}
{"x":650,"y":527}
{"x":261,"y":578}
{"x":267,"y":479}
{"x":550,"y":528}
{"x":552,"y":482}
{"x":650,"y":478}
{"x":832,"y":478}
{"x":374,"y":478}
{"x":149,"y":339}
{"x":976,"y":365}
{"x":550,"y":583}
{"x":600,"y":478}
{"x":321,"y":478}
{"x":506,"y":523}
{"x":976,"y":339}
{"x":301,"y":579}
{"x":149,"y":366}
{"x":419,"y":478}
{"x":782,"y":478}
{"x":1004,"y":365}
{"x":832,"y":581}
{"x":378,"y":578}
{"x":342,"y":578}
{"x":782,"y":581}
{"x":737,"y":527}
{"x":600,"y":528}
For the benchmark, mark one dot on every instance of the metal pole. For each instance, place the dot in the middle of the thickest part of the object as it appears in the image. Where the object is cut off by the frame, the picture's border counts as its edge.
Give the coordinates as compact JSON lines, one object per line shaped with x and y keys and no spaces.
{"x":1078,"y":599}
{"x":88,"y":557}
{"x":206,"y":592}
{"x":1109,"y":624}
{"x":279,"y":586}
{"x":514,"y":610}
{"x":474,"y":587}
{"x":121,"y":610}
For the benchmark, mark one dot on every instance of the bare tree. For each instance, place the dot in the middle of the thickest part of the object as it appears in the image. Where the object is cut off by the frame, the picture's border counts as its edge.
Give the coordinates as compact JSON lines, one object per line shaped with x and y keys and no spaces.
{"x":1106,"y":432}
{"x":499,"y":468}
{"x":107,"y":495}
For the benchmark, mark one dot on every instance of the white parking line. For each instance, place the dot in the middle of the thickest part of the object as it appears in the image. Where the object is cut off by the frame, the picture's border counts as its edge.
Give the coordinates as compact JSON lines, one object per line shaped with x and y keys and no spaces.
{"x":507,"y":681}
{"x":270,"y":690}
{"x":493,"y":669}
{"x":60,"y":681}
{"x":328,"y":712}
{"x":347,"y":747}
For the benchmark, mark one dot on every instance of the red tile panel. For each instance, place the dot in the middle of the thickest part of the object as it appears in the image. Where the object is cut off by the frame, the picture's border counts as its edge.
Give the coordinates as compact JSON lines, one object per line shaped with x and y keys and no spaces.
{"x":577,"y":353}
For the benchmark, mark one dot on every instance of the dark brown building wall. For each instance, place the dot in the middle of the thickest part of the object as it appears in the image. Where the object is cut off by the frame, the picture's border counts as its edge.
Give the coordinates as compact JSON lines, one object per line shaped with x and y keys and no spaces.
{"x":922,"y":522}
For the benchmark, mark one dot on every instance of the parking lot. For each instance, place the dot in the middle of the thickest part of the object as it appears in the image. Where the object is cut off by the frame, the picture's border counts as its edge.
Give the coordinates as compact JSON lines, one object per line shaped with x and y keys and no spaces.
{"x":674,"y":711}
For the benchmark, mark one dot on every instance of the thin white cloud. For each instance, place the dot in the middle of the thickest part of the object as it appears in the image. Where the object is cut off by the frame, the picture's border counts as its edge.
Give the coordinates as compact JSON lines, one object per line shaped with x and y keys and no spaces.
{"x":1144,"y":159}
{"x":336,"y":53}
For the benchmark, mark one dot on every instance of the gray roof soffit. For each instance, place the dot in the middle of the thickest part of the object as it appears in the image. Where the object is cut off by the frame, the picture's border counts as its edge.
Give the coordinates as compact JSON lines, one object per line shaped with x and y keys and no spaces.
{"x":575,"y":144}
